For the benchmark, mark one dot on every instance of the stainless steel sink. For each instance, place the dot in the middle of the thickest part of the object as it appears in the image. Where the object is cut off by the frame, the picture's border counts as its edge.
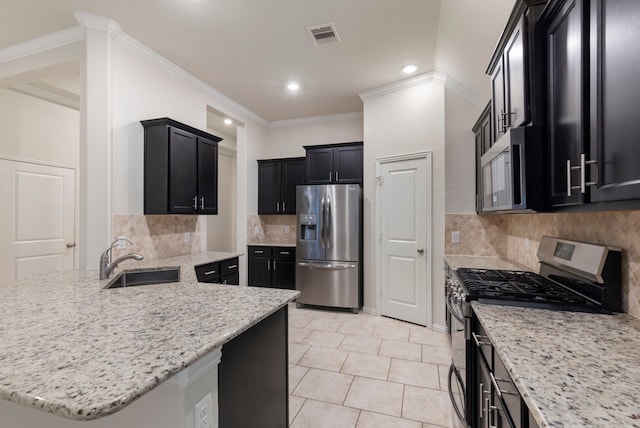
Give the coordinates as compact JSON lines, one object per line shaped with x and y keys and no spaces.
{"x":133,"y":277}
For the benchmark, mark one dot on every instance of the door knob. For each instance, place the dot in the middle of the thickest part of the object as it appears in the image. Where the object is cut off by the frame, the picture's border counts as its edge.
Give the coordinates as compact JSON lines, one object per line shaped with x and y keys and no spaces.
{"x":421,"y":251}
{"x":71,"y":245}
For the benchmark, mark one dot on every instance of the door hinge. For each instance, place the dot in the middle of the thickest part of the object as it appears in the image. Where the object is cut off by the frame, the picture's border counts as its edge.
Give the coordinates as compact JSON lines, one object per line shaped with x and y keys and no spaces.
{"x":380,"y":180}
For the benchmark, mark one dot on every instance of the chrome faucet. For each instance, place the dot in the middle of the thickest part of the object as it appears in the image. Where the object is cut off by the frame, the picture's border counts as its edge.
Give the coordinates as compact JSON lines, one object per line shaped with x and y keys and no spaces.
{"x":107,"y":266}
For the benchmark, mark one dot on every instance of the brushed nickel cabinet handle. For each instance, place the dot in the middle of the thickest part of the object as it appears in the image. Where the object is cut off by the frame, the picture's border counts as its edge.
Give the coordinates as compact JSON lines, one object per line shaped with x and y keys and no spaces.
{"x":71,"y":244}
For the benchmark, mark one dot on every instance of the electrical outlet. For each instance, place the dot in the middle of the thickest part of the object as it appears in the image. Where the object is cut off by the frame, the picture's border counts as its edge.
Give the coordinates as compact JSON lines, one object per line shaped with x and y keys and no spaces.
{"x":187,"y":236}
{"x":287,"y":229}
{"x":122,"y":243}
{"x":203,"y":417}
{"x":257,"y":230}
{"x":455,"y":237}
{"x":526,"y":243}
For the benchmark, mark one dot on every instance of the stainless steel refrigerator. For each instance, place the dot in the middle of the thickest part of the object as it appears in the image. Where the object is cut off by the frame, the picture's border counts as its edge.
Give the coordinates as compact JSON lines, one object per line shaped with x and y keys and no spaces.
{"x":328,"y":250}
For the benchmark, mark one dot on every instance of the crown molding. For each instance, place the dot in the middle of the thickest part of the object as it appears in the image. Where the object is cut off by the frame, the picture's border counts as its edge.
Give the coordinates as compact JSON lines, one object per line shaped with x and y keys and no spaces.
{"x":464,"y":92}
{"x":129,"y":42}
{"x":42,"y":44}
{"x":316,"y":119}
{"x":429,"y":77}
{"x":399,"y":86}
{"x":44,"y":93}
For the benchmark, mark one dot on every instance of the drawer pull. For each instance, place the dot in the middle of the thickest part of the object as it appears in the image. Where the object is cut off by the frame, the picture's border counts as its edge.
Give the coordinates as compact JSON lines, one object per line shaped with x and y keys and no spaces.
{"x":232,"y":267}
{"x":284,"y":252}
{"x":475,"y":339}
{"x":211,"y":272}
{"x":258,"y":251}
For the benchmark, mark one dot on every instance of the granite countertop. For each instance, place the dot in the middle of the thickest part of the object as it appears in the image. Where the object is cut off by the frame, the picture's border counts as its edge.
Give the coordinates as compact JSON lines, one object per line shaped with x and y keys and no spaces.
{"x":70,"y":347}
{"x":573,"y":369}
{"x":273,"y":244}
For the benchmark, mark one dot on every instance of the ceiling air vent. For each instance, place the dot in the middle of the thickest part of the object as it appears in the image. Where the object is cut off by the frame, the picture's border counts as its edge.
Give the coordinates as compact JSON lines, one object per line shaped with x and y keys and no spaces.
{"x":323,"y":34}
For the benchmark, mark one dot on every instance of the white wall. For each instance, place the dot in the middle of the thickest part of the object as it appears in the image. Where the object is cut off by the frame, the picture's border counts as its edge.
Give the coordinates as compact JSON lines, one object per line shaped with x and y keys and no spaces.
{"x":221,"y":228}
{"x":287,"y":138}
{"x":36,"y":129}
{"x":400,"y":121}
{"x":460,"y":116}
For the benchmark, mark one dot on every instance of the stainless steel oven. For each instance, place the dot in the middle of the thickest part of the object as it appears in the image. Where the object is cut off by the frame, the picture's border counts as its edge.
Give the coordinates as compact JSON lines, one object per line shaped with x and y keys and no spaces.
{"x":458,"y":323}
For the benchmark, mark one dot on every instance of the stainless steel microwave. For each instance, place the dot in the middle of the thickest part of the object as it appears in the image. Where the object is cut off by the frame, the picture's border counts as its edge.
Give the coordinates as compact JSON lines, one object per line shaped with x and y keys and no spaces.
{"x":512,"y":173}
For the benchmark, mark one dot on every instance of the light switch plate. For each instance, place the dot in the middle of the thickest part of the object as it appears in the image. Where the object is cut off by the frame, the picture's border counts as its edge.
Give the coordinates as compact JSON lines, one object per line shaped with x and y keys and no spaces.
{"x":187,"y":236}
{"x":122,"y":243}
{"x":455,"y":237}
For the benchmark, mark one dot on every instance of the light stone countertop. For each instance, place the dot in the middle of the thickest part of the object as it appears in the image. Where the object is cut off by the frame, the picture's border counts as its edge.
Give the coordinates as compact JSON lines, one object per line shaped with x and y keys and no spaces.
{"x":273,"y":244}
{"x":573,"y":369}
{"x":70,"y":347}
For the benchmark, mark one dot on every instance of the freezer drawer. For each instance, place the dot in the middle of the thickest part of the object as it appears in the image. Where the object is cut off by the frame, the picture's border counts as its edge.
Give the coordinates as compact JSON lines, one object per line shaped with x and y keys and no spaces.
{"x":328,"y":283}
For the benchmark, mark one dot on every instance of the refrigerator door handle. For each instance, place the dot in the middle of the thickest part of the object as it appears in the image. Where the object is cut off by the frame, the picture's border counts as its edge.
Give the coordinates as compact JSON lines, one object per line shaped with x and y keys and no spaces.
{"x":327,"y":265}
{"x":327,"y":224}
{"x":322,"y":220}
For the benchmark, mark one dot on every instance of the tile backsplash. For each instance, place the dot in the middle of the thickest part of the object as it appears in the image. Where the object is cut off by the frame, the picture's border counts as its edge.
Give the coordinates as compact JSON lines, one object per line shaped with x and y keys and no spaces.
{"x":158,"y":236}
{"x":517,"y":236}
{"x":275,"y":229}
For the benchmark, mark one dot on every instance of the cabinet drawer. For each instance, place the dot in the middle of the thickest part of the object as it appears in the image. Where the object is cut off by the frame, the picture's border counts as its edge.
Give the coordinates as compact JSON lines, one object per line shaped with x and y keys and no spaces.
{"x":485,"y":346}
{"x":231,"y":279}
{"x":229,"y":266}
{"x":510,"y":395}
{"x":209,"y":272}
{"x":283,"y":253}
{"x":259,"y":251}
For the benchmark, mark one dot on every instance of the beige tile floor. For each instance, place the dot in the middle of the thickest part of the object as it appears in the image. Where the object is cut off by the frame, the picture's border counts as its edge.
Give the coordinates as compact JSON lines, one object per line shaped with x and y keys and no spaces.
{"x":363,"y":371}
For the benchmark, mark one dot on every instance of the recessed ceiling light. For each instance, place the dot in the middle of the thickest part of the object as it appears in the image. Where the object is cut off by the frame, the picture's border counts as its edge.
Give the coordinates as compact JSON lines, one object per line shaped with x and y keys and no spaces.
{"x":228,"y":121}
{"x":409,"y":69}
{"x":293,"y":86}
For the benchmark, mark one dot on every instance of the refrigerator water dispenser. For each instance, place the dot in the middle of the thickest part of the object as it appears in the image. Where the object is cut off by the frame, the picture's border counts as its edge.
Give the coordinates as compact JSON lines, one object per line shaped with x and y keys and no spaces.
{"x":308,"y":227}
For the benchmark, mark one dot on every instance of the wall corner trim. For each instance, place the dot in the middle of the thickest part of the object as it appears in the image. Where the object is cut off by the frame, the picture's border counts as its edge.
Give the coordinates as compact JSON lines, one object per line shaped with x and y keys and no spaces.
{"x":315,"y":119}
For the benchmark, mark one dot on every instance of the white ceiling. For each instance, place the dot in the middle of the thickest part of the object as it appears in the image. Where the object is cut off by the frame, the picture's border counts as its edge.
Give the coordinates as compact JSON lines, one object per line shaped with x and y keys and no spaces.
{"x":249,"y":49}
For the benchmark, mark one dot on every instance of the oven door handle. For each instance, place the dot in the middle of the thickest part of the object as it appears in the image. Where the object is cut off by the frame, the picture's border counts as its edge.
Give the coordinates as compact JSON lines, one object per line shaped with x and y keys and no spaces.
{"x":451,"y":309}
{"x":454,"y":372}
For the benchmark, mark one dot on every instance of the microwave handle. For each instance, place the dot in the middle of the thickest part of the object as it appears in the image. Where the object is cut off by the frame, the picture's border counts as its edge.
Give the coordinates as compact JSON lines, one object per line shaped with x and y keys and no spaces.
{"x":517,"y":174}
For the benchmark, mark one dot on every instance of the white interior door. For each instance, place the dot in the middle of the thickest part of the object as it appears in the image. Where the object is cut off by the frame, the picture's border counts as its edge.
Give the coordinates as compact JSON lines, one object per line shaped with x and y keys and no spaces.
{"x":404,"y":195}
{"x":37,"y":219}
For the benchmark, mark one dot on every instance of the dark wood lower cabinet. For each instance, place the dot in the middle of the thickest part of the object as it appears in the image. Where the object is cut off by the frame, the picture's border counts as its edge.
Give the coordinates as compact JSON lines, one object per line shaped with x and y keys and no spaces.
{"x":273,"y":267}
{"x":220,"y":272}
{"x":253,"y":376}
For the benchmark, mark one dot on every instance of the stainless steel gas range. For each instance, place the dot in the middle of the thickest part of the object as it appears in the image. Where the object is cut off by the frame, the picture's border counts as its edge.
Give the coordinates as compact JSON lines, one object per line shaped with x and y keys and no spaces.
{"x":573,"y":276}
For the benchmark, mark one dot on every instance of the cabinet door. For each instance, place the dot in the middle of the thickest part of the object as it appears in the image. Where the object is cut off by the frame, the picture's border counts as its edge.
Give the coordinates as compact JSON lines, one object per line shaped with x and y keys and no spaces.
{"x":565,"y":97}
{"x":292,"y":175}
{"x":497,"y":101}
{"x":515,"y":78}
{"x":284,"y":273}
{"x":269,"y":187}
{"x":615,"y":92}
{"x":482,"y":394}
{"x":347,"y":164}
{"x":259,"y":271}
{"x":319,"y":166}
{"x":207,"y":176}
{"x":183,"y":178}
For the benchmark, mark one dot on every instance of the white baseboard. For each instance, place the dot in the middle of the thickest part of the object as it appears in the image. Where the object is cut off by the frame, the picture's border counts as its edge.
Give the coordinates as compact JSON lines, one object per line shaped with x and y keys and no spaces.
{"x":439,"y":328}
{"x":370,"y":311}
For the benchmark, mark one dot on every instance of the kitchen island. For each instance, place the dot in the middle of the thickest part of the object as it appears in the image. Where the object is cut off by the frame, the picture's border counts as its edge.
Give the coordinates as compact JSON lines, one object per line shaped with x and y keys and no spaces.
{"x":73,"y":349}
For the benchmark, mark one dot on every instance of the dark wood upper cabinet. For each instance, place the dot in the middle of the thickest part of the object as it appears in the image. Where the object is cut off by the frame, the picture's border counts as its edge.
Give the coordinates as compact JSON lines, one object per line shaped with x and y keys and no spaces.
{"x":180,"y":169}
{"x":482,"y":132}
{"x":566,"y":95}
{"x":593,"y":89}
{"x":277,"y":181}
{"x":334,"y":163}
{"x":515,"y":75}
{"x":614,"y":142}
